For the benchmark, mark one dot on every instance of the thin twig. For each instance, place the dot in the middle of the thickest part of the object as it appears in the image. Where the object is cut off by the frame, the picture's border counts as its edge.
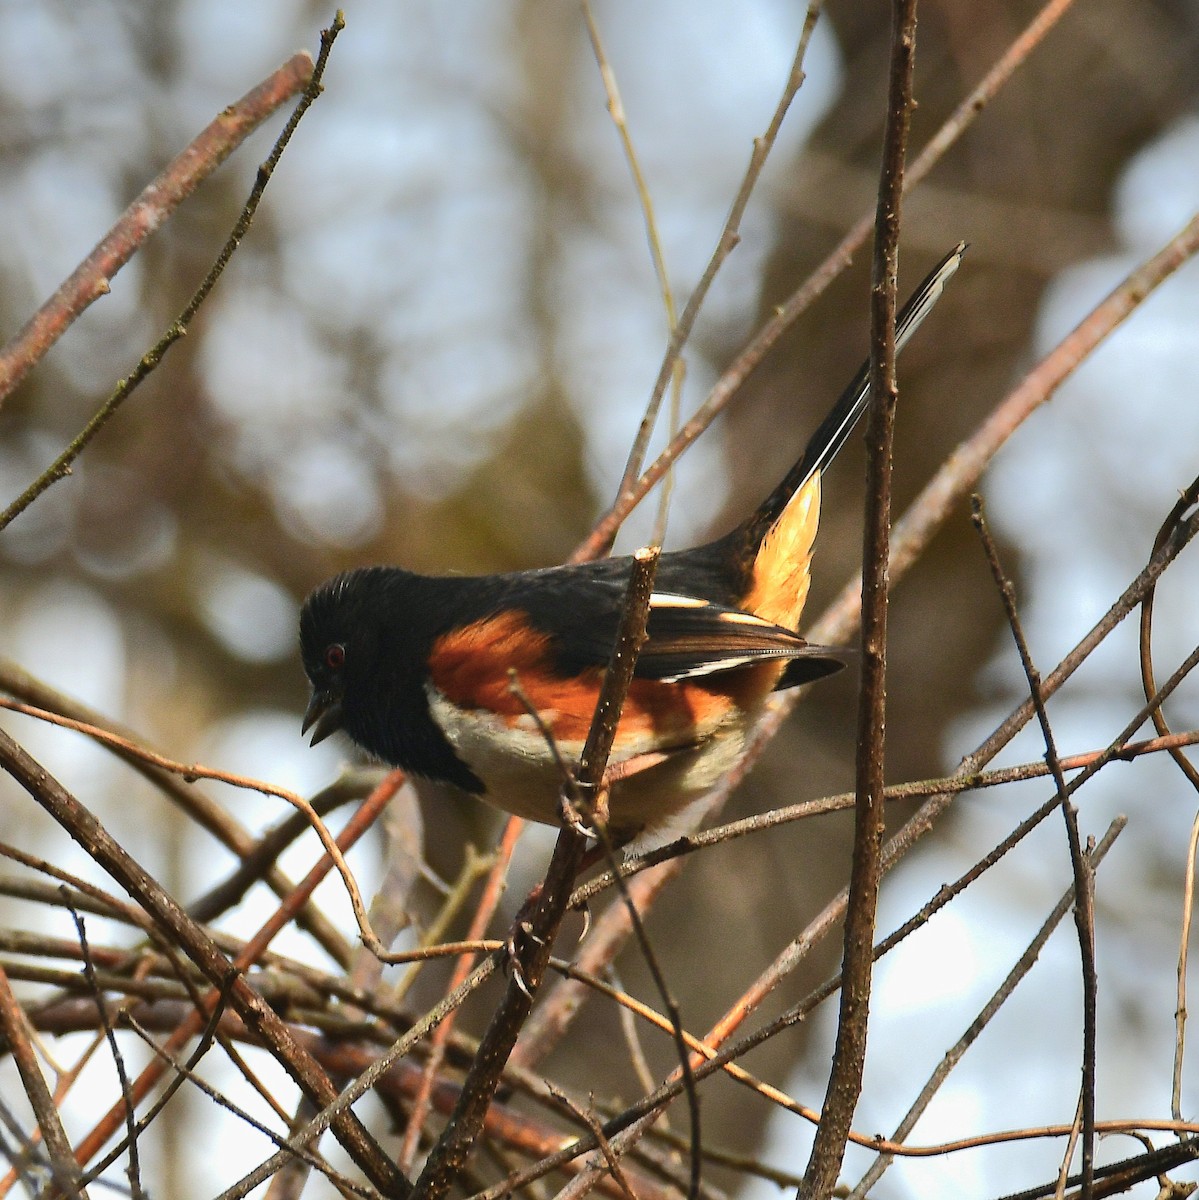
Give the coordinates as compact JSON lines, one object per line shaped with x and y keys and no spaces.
{"x":90,"y":280}
{"x":1084,"y":882}
{"x":611,"y":1158}
{"x":674,"y":1013}
{"x":182,"y":1069}
{"x":89,"y":973}
{"x":953,"y":1056}
{"x":616,"y":110}
{"x":729,"y":237}
{"x":1184,"y":941}
{"x":1186,"y":501}
{"x":61,"y":467}
{"x":1118,"y":1178}
{"x":604,"y":942}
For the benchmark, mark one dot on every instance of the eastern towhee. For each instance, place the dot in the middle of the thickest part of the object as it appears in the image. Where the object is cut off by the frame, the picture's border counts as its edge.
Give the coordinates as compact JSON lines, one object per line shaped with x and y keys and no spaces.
{"x":418,"y":669}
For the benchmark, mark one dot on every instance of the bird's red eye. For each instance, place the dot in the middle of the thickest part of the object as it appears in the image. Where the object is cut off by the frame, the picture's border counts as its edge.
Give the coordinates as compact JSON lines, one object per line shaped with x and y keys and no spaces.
{"x":335,"y":657}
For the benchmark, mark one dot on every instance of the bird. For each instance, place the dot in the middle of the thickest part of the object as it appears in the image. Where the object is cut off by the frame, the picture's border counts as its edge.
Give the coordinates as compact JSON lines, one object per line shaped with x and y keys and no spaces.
{"x":489,"y":683}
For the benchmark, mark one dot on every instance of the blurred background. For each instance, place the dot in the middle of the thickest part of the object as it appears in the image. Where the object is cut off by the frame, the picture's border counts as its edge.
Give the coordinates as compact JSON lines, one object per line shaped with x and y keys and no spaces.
{"x":434,"y":348}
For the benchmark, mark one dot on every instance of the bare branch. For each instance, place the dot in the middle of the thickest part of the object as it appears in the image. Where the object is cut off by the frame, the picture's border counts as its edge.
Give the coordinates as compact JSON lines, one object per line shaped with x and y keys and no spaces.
{"x":849,"y":1056}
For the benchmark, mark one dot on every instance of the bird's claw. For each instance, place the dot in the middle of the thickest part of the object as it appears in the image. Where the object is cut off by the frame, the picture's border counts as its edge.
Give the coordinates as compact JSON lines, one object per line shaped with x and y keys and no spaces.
{"x":585,"y":909}
{"x":518,"y":977}
{"x":585,"y":810}
{"x":574,"y":819}
{"x":516,"y":944}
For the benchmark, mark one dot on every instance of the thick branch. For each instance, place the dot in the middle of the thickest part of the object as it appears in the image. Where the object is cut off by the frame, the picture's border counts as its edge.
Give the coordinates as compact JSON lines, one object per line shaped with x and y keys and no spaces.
{"x":849,"y":1057}
{"x":449,"y":1156}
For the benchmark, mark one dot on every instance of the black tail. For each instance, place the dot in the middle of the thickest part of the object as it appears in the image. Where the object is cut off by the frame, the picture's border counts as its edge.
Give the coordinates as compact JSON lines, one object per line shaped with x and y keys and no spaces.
{"x":835,"y":429}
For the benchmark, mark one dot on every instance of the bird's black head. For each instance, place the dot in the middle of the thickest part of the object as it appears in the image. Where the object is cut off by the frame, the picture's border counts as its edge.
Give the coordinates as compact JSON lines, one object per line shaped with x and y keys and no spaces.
{"x":330,"y":630}
{"x":349,"y":657}
{"x":365,"y":637}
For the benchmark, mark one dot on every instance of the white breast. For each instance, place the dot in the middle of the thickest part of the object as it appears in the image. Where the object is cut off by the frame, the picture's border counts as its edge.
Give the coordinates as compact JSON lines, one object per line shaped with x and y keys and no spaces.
{"x":521,"y":775}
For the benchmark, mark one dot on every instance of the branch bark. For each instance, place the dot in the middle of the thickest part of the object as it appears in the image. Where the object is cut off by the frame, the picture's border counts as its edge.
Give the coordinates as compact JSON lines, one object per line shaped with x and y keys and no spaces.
{"x":849,"y":1057}
{"x":448,"y":1157}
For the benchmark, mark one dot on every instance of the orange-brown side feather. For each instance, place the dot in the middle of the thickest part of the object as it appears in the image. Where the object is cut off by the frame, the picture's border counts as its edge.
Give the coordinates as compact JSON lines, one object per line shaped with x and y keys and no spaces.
{"x":781,"y":570}
{"x":470,"y":667}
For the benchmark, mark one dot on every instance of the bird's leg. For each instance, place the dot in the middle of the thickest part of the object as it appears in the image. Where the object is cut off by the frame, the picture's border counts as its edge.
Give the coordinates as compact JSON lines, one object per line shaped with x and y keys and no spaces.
{"x":584,"y":810}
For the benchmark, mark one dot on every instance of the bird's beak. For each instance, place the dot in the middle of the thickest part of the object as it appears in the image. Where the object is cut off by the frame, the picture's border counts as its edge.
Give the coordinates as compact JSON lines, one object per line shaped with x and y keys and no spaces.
{"x":323,"y":716}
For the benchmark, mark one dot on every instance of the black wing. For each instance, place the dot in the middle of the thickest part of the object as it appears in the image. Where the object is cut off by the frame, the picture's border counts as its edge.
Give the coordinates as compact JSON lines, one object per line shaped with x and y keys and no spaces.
{"x":691,"y":638}
{"x":688,"y":637}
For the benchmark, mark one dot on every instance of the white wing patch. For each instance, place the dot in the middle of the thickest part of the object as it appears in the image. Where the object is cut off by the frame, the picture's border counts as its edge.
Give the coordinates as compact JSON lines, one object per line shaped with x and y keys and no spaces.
{"x":725,"y":662}
{"x":730,"y":616}
{"x":706,"y":638}
{"x":671,"y":600}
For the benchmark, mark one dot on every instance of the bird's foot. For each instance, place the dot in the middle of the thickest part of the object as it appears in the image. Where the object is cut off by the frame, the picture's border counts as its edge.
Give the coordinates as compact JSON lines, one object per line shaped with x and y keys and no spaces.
{"x":584,"y":809}
{"x":521,"y":941}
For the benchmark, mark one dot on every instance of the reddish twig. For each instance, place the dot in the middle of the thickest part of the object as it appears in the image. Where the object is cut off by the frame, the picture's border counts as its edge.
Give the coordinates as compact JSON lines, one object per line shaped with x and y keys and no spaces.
{"x":488,"y":903}
{"x":60,"y":468}
{"x":90,"y":280}
{"x":199,"y":947}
